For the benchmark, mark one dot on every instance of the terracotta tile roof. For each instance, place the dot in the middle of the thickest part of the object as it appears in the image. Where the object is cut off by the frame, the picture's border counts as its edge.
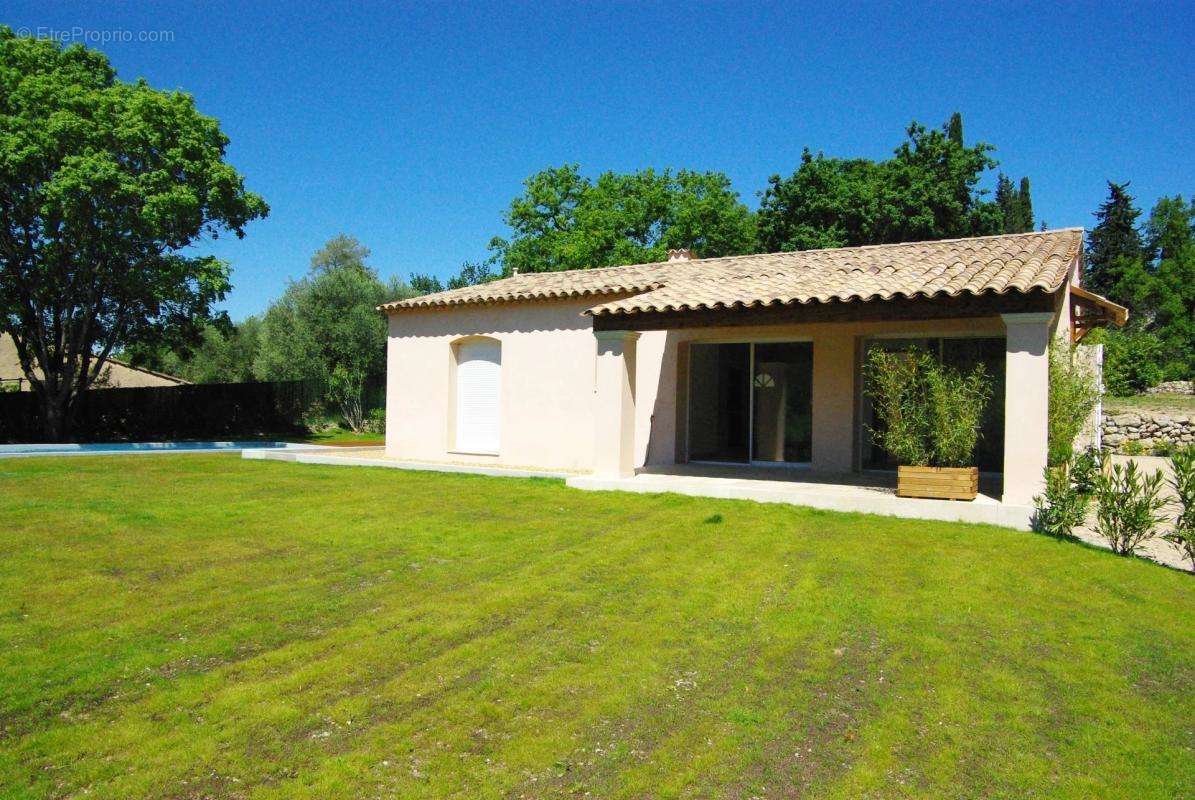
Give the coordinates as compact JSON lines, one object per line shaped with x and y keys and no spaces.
{"x":990,"y":264}
{"x":546,"y":285}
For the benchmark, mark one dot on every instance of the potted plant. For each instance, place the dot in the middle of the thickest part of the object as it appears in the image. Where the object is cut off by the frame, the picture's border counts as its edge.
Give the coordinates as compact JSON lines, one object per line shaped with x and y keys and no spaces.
{"x":930,"y":415}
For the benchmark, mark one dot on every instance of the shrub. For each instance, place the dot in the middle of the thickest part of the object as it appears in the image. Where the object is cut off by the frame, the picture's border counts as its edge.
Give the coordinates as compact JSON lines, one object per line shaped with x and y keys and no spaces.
{"x":1074,"y":392}
{"x":1129,"y":506}
{"x":1084,"y":469}
{"x":1133,"y":447}
{"x":346,"y":388}
{"x":896,"y":386}
{"x":931,"y":413}
{"x":315,"y":416}
{"x":377,"y":421}
{"x":955,"y":405}
{"x":1063,"y":507}
{"x":1183,"y":535}
{"x":1131,"y":361}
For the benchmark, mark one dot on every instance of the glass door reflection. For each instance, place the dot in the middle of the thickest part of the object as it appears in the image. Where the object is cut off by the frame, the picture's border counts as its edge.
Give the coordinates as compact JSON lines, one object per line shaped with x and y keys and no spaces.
{"x":782,"y":390}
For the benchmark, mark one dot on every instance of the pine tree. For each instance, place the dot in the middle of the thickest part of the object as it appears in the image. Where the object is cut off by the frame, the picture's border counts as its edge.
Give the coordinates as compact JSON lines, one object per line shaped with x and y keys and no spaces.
{"x":1171,"y":239}
{"x":1114,"y":246}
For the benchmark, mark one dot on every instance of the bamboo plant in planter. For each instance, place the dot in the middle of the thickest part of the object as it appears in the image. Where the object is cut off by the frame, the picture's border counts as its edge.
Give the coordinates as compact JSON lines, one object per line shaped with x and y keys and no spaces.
{"x":931,"y":415}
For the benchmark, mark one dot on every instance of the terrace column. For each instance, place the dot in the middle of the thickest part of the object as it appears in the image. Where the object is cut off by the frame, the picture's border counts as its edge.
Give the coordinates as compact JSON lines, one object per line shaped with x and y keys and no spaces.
{"x":1026,"y":404}
{"x":614,"y":404}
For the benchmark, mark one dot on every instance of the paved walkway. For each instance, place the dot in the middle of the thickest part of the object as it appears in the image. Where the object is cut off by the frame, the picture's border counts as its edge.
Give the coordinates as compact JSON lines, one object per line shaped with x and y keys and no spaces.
{"x":376,"y":457}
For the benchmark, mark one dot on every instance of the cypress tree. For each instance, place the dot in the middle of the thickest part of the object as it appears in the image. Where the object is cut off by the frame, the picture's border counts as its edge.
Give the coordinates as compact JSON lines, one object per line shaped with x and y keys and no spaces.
{"x":1114,"y":246}
{"x":1005,"y":202}
{"x":954,"y":128}
{"x":1025,"y":201}
{"x":1015,"y":205}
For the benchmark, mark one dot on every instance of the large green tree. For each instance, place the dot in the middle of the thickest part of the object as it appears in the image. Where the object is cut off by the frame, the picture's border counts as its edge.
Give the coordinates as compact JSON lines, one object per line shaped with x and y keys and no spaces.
{"x":1025,"y":204}
{"x":105,"y":186}
{"x":827,"y":202}
{"x":929,"y":189}
{"x":565,"y":220}
{"x":471,"y":274}
{"x":1150,"y":269}
{"x":326,"y":326}
{"x":224,"y":353}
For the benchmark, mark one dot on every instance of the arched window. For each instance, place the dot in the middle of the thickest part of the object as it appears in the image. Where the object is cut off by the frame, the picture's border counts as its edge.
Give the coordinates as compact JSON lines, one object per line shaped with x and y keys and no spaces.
{"x":478,"y":395}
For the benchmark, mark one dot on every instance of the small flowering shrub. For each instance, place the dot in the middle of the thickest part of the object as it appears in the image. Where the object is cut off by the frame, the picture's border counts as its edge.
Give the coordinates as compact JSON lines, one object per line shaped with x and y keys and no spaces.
{"x":376,"y":422}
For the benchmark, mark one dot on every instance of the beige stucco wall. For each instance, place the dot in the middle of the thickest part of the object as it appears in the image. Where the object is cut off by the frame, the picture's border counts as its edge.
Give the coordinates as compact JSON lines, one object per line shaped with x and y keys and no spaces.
{"x":120,"y":376}
{"x":10,"y":365}
{"x":115,"y":375}
{"x":547,"y":386}
{"x":548,"y":377}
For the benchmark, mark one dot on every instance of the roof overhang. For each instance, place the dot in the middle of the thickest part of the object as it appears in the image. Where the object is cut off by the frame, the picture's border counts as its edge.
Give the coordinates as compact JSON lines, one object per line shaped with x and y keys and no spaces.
{"x":1090,"y":310}
{"x":888,"y":310}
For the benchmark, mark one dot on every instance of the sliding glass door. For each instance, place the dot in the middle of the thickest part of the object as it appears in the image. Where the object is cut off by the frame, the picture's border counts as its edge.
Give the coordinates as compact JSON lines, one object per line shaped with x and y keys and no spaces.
{"x":719,"y":402}
{"x":751,"y":403}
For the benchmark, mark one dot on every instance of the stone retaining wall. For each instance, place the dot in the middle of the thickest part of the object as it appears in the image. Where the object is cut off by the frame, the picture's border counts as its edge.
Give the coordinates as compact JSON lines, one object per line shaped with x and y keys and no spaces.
{"x":1173,"y":387}
{"x":1150,"y":428}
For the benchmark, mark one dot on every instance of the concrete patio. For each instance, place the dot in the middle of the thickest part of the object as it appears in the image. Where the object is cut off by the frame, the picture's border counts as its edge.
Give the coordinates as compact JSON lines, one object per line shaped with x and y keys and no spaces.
{"x":376,"y":457}
{"x":868,"y":493}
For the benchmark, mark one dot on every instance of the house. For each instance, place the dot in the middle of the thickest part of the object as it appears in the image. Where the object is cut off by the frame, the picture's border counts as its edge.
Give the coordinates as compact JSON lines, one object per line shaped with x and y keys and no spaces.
{"x":753,"y":361}
{"x":115,"y":374}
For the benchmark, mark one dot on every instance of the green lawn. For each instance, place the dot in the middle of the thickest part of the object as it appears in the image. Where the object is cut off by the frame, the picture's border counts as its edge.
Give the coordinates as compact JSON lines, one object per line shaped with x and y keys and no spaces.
{"x":344,"y":437}
{"x":194,"y":626}
{"x":1182,"y":403}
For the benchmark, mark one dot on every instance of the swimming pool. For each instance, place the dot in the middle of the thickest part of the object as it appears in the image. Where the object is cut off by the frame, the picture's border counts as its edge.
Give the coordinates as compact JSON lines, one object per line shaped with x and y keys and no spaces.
{"x":141,"y":448}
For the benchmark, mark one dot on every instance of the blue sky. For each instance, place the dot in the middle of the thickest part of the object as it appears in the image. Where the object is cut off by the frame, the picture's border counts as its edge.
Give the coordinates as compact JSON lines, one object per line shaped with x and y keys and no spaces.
{"x":412,"y":126}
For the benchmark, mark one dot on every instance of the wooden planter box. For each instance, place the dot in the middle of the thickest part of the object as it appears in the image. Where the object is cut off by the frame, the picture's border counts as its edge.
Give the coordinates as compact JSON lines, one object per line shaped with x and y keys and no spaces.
{"x":940,"y":483}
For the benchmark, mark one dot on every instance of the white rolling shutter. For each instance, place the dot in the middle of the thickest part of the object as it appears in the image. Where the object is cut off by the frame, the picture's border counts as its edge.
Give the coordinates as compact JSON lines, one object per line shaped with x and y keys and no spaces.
{"x":478,"y":377}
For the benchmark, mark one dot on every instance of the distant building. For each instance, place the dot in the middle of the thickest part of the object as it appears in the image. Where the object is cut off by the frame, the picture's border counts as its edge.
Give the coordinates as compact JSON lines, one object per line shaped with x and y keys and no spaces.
{"x":115,"y":375}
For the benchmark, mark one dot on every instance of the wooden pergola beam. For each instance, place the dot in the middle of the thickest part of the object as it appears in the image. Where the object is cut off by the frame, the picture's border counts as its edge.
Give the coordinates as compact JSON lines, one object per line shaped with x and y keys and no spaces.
{"x":1089,"y":310}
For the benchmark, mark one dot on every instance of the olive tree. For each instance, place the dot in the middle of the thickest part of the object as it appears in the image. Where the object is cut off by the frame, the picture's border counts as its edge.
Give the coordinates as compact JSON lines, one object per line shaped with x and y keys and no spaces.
{"x":326,"y":327}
